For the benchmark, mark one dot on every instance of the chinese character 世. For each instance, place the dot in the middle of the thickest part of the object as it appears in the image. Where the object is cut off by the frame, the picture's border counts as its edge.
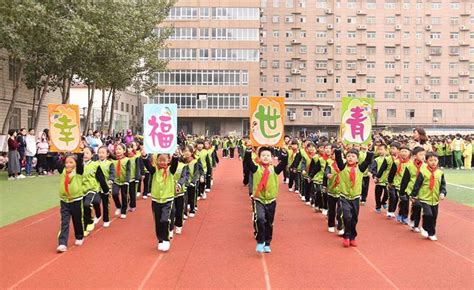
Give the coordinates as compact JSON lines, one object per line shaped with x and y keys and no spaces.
{"x":266,"y":117}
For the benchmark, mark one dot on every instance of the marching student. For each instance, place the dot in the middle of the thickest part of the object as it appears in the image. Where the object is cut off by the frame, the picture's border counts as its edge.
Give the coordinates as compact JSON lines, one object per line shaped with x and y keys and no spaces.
{"x":93,"y":181}
{"x":303,"y":160}
{"x":108,"y":170}
{"x":71,"y":194}
{"x":122,"y":179}
{"x":265,"y":192}
{"x":395,"y":179}
{"x":429,"y":188}
{"x":331,"y":182}
{"x":316,"y":173}
{"x":293,"y":150}
{"x":406,"y":187}
{"x":210,"y":157}
{"x":162,"y":194}
{"x":380,"y":174}
{"x":181,"y":178}
{"x":350,"y":182}
{"x":195,"y":173}
{"x":135,"y":174}
{"x":366,"y":178}
{"x":203,"y":157}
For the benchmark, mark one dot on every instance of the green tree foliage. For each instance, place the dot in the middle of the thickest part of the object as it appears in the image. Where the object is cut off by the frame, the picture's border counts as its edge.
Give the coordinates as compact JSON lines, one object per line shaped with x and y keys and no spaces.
{"x":107,"y":44}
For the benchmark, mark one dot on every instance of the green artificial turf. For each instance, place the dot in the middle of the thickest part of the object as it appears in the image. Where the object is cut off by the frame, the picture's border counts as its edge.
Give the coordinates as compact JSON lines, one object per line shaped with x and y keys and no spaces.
{"x":22,"y":198}
{"x":460,"y":194}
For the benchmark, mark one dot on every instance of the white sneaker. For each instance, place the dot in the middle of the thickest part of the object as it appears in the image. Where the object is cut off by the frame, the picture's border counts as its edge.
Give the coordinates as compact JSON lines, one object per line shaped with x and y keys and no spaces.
{"x":192,"y":215}
{"x":340,"y":233}
{"x":123,"y":216}
{"x":145,"y":197}
{"x":11,"y":178}
{"x":331,"y":230}
{"x":166,"y":246}
{"x":171,"y":234}
{"x":411,"y":224}
{"x":179,"y":230}
{"x":199,"y":198}
{"x":325,"y":212}
{"x":106,"y":224}
{"x":291,"y":189}
{"x":433,"y":238}
{"x":138,"y":194}
{"x":204,"y":195}
{"x":117,"y":212}
{"x":208,"y":190}
{"x":424,"y":233}
{"x":416,"y":230}
{"x":21,"y":176}
{"x":79,"y":242}
{"x":308,"y":203}
{"x":97,"y":220}
{"x":160,"y":246}
{"x":61,"y":249}
{"x":196,"y":208}
{"x":212,"y":182}
{"x":303,"y":198}
{"x":148,"y":194}
{"x":297,"y":191}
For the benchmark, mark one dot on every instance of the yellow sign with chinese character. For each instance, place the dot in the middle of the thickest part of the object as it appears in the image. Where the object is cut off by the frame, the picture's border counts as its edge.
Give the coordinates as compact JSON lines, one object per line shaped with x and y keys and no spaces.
{"x":267,"y":121}
{"x":64,"y":128}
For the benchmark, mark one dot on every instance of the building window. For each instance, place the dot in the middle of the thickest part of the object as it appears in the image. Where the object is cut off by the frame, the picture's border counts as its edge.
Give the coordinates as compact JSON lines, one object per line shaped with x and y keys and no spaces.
{"x":453,"y":95}
{"x":351,"y":80}
{"x":389,"y":95}
{"x":410,"y":113}
{"x":435,"y":95}
{"x":121,"y":107}
{"x":391,"y":113}
{"x":307,"y":113}
{"x":326,"y":112}
{"x":321,"y":94}
{"x":437,"y":114}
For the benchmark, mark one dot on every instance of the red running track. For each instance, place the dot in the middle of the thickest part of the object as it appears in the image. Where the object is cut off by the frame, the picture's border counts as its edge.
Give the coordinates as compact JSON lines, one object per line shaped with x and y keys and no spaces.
{"x":217,"y":249}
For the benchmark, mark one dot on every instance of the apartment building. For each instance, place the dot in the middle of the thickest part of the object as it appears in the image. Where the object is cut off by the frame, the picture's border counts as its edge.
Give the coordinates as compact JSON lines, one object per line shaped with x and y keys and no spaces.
{"x":415,"y":58}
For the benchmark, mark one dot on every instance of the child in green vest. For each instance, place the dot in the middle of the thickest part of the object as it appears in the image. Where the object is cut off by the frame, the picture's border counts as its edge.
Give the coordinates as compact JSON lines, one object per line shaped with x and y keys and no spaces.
{"x":195,"y":172}
{"x":448,"y":155}
{"x":410,"y":174}
{"x":317,"y":168}
{"x":366,"y":178}
{"x":181,"y":178}
{"x":350,"y":182}
{"x":265,"y":192}
{"x":380,"y":173}
{"x":203,"y":157}
{"x":71,"y":195}
{"x":429,"y":188}
{"x":392,"y":193}
{"x":109,"y":173}
{"x":395,"y":179}
{"x":210,"y":156}
{"x":231,"y":147}
{"x":293,"y":150}
{"x":136,"y":172}
{"x":440,"y":150}
{"x":93,"y":180}
{"x":122,"y":178}
{"x":304,"y":159}
{"x":331,"y":183}
{"x":162,"y":194}
{"x":225,"y":147}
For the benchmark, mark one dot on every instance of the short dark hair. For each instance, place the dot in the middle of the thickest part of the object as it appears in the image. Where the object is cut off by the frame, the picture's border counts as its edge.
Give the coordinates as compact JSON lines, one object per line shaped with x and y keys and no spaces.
{"x":262,"y":149}
{"x":417,"y":150}
{"x":11,"y":132}
{"x":353,"y":151}
{"x":395,"y":144}
{"x":431,"y":154}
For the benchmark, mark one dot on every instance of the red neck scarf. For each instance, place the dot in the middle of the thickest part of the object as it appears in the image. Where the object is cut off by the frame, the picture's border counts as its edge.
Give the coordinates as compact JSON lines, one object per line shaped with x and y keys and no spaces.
{"x":66,"y":182}
{"x":263,"y":182}
{"x":353,"y":174}
{"x":310,"y":154}
{"x":432,"y":177}
{"x":119,"y":165}
{"x":336,"y":169}
{"x":418,"y":165}
{"x":324,"y":156}
{"x":400,"y":164}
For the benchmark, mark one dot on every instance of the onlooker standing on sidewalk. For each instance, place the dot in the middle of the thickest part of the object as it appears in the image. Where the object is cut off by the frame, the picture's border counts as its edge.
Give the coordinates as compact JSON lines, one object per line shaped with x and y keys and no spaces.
{"x":42,"y":146}
{"x":20,"y":138}
{"x":30,"y":151}
{"x":14,"y":169}
{"x":458,"y":148}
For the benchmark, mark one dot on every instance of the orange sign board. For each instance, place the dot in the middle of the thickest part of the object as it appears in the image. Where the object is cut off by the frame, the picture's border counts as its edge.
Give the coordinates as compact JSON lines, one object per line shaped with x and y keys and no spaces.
{"x":64,"y":127}
{"x":267,"y":121}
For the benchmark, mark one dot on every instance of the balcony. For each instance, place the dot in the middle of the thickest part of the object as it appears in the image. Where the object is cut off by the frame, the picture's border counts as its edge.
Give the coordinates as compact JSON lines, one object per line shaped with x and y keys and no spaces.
{"x":295,"y":71}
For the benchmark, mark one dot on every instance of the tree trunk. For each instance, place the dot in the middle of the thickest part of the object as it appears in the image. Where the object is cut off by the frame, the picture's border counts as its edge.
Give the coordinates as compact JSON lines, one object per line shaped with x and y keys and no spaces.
{"x":105,"y":106}
{"x":16,"y":88}
{"x":68,"y":91}
{"x":111,"y":118}
{"x":66,"y":88}
{"x":44,"y":91}
{"x":90,"y":103}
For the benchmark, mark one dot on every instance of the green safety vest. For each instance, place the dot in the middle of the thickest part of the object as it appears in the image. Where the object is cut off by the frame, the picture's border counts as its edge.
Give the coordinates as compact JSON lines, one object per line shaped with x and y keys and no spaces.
{"x":348,"y":190}
{"x":163,"y":188}
{"x":426,"y":195}
{"x":120,"y":179}
{"x":89,"y":181}
{"x":269,"y":194}
{"x":75,"y":187}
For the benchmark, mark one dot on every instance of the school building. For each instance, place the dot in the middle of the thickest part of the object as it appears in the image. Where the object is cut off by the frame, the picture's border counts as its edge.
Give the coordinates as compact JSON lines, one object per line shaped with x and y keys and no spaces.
{"x":415,"y":58}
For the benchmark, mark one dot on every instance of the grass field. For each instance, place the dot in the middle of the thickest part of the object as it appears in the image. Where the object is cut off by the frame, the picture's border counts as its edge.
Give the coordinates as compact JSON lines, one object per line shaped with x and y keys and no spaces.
{"x":26,"y":197}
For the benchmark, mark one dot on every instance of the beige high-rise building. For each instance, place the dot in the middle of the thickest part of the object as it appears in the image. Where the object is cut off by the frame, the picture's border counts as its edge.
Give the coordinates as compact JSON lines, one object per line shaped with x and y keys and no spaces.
{"x":416,"y":58}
